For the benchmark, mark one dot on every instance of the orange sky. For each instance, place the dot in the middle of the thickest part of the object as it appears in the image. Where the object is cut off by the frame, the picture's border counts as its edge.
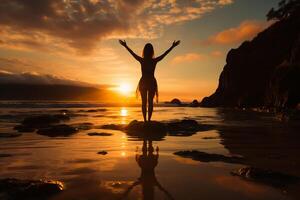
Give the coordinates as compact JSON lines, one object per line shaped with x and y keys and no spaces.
{"x":77,"y":40}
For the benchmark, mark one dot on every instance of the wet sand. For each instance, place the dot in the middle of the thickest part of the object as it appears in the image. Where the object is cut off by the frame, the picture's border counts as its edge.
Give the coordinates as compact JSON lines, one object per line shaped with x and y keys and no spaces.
{"x":258,"y":138}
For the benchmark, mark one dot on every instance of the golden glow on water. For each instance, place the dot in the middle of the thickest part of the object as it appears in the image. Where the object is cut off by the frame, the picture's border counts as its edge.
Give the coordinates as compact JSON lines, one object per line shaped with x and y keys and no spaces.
{"x":123,"y":154}
{"x":124,"y":112}
{"x":124,"y":115}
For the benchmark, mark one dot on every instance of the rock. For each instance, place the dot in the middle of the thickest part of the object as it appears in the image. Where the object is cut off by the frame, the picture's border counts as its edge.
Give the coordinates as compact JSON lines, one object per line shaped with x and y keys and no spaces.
{"x":112,"y":126}
{"x":9,"y":135}
{"x":207,"y":157}
{"x":185,"y":127}
{"x":64,"y":111}
{"x":44,"y":120}
{"x":153,"y":127}
{"x":7,"y":117}
{"x":152,"y":130}
{"x":264,"y":176}
{"x":24,"y":129}
{"x":157,"y":130}
{"x":176,"y":102}
{"x":288,"y":115}
{"x":4,"y":155}
{"x":94,"y":110}
{"x":102,"y":152}
{"x":91,"y":111}
{"x":195,"y":103}
{"x":263,"y":72}
{"x":210,"y":138}
{"x":99,"y":116}
{"x":100,"y":134}
{"x":83,"y":126}
{"x":58,"y":130}
{"x":11,"y":188}
{"x":30,"y":124}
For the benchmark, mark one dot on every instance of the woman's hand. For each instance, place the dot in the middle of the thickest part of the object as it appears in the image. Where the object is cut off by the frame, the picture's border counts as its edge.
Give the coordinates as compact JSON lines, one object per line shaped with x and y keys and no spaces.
{"x":176,"y":43}
{"x":123,"y":43}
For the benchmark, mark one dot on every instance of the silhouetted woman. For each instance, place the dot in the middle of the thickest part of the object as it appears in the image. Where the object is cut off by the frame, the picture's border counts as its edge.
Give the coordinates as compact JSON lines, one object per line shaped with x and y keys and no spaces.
{"x":147,"y":85}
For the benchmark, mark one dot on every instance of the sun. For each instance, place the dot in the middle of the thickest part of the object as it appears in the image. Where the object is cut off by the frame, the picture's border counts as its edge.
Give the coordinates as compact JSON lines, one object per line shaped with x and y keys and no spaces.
{"x":125,"y":88}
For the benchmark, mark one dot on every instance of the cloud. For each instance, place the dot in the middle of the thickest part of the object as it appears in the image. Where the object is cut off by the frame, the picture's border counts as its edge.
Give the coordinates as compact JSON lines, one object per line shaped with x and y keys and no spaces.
{"x":225,"y":2}
{"x":80,"y":24}
{"x":216,"y":53}
{"x":7,"y":77}
{"x":189,"y":57}
{"x":245,"y":31}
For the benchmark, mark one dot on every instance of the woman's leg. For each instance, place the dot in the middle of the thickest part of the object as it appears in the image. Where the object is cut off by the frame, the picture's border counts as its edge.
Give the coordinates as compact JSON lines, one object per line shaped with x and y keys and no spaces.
{"x":150,"y":104}
{"x":144,"y":103}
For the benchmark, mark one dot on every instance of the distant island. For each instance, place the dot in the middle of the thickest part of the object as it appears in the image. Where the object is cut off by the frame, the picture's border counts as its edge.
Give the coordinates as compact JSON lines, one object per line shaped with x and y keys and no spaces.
{"x":50,"y":92}
{"x":31,"y":86}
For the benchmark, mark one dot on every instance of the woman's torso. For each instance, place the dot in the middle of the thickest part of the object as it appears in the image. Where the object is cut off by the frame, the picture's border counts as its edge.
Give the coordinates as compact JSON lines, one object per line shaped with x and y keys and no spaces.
{"x":148,"y":68}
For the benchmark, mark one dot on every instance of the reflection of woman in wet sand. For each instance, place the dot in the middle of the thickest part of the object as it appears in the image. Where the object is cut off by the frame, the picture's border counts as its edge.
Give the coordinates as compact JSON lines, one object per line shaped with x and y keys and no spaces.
{"x":148,"y":85}
{"x":147,"y":162}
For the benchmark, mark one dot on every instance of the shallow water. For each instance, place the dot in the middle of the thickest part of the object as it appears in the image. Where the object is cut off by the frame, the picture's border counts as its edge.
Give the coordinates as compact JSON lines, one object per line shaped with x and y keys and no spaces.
{"x":88,"y":175}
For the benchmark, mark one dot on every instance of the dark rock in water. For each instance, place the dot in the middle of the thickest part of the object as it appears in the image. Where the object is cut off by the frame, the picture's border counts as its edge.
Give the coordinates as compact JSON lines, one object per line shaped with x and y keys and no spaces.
{"x":94,"y":110}
{"x":24,"y":129}
{"x":30,"y":124}
{"x":99,"y":116}
{"x":176,"y":102}
{"x":9,"y":135}
{"x":195,"y":103}
{"x":210,"y":138}
{"x":263,"y":72}
{"x":102,"y":152}
{"x":100,"y":134}
{"x":152,"y":130}
{"x":186,"y":124}
{"x":207,"y":157}
{"x":64,"y":111}
{"x":58,"y":130}
{"x":4,"y":155}
{"x":288,"y":115}
{"x":113,"y":126}
{"x":15,"y":189}
{"x":42,"y":120}
{"x":91,"y":111}
{"x":185,"y":127}
{"x":83,"y":126}
{"x":268,"y":177}
{"x":153,"y":127}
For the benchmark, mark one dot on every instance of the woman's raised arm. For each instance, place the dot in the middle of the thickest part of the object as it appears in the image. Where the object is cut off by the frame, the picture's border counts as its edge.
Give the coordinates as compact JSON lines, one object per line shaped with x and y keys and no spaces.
{"x":123,"y":43}
{"x":159,"y":58}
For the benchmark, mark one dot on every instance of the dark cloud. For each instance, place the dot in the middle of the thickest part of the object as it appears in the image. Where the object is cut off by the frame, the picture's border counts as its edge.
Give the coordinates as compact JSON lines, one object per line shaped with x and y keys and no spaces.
{"x":81,"y":24}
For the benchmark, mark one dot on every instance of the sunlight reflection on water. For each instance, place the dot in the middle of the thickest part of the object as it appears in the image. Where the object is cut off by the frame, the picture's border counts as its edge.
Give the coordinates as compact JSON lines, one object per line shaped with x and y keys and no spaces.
{"x":124,"y":112}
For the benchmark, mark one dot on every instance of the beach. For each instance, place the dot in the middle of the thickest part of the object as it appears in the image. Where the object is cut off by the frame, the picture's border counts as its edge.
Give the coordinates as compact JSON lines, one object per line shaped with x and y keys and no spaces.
{"x":99,"y":163}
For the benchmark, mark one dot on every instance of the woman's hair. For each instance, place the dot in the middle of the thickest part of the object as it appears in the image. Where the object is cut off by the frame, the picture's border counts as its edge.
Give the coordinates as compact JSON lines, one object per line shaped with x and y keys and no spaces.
{"x":148,"y":51}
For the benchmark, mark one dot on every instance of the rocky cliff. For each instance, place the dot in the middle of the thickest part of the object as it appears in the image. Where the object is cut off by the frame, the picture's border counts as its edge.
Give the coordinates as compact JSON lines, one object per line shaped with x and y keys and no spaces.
{"x":264,"y":72}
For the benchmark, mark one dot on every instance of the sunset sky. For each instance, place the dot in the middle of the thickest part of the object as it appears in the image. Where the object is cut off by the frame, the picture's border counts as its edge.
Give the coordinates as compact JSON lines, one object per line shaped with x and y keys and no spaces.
{"x":77,"y":40}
